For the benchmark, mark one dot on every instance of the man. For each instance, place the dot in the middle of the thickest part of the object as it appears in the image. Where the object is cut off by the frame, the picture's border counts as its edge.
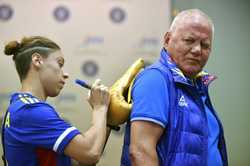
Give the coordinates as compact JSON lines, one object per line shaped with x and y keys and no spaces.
{"x":172,"y":120}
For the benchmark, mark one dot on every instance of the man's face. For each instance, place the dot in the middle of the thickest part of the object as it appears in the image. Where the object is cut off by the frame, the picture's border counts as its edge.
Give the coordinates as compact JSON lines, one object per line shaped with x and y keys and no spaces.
{"x":189,"y":45}
{"x":51,"y":74}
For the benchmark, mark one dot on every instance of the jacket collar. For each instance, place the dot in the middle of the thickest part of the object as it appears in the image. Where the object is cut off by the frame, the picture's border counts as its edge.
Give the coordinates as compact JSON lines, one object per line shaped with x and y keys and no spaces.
{"x":178,"y":75}
{"x":23,"y":96}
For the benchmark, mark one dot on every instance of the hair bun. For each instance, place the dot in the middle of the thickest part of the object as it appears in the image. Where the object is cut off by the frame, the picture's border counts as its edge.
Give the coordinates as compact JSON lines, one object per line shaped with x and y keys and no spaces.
{"x":12,"y":48}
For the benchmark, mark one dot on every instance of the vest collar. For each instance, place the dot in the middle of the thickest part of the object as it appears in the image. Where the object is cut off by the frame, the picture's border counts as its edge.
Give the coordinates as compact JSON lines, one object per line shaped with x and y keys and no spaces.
{"x":178,"y":75}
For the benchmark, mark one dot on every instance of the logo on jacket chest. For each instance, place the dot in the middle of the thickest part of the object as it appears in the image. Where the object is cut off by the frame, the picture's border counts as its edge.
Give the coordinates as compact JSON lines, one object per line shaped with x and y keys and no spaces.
{"x":182,"y":102}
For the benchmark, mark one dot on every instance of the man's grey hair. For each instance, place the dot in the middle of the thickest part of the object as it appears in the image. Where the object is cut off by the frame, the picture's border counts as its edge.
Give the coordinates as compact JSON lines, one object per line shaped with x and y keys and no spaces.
{"x":189,"y":13}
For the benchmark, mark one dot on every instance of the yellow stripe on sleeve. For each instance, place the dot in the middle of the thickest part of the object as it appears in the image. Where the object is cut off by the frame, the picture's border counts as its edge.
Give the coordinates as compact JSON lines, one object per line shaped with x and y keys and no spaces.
{"x":24,"y":100}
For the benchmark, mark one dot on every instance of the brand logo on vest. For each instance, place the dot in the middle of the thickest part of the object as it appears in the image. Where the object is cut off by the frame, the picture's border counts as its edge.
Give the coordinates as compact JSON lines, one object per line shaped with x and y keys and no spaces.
{"x":182,"y":102}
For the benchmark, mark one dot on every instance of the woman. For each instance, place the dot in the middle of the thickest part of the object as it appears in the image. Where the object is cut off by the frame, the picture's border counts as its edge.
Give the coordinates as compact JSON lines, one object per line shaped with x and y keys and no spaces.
{"x":34,"y":134}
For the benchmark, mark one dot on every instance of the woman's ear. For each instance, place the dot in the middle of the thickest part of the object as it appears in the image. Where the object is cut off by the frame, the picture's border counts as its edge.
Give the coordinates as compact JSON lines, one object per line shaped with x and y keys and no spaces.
{"x":36,"y":60}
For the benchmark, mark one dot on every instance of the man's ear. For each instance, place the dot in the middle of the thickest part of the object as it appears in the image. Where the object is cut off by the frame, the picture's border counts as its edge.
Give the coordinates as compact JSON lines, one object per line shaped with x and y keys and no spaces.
{"x":36,"y":60}
{"x":167,"y":37}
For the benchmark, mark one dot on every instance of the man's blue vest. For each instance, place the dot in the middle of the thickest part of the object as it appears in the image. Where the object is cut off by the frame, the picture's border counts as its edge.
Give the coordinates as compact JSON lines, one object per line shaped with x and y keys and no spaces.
{"x":185,"y":139}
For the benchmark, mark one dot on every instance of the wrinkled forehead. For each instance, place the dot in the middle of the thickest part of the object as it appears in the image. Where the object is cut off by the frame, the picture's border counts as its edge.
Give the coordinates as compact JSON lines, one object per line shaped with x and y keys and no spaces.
{"x":195,"y":23}
{"x":197,"y":19}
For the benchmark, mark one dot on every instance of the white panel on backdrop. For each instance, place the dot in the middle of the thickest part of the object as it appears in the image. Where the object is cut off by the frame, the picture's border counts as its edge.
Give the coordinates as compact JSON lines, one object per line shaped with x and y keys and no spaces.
{"x":100,"y":38}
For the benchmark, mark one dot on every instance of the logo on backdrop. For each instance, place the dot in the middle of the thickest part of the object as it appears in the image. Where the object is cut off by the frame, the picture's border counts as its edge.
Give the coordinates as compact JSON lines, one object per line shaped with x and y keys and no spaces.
{"x":148,"y":46}
{"x":6,"y":12}
{"x":93,"y":40}
{"x":61,"y":13}
{"x":66,"y":98}
{"x":91,"y":45}
{"x":90,"y":68}
{"x":117,"y":15}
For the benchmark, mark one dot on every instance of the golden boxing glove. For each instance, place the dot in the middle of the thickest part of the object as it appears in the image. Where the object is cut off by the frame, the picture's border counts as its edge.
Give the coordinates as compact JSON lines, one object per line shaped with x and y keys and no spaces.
{"x":120,"y":102}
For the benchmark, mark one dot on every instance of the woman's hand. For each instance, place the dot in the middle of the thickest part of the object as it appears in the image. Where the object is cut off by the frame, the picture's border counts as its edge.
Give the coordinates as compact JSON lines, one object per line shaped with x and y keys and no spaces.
{"x":99,"y":96}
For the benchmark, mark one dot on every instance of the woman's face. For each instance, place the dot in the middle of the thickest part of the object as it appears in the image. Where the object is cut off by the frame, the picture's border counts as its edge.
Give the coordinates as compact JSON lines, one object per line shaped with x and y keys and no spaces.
{"x":51,"y":74}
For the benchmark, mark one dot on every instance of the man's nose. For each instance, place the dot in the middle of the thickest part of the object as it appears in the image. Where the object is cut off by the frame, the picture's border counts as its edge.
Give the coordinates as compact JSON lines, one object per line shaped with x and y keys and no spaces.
{"x":65,"y":75}
{"x":196,"y":50}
